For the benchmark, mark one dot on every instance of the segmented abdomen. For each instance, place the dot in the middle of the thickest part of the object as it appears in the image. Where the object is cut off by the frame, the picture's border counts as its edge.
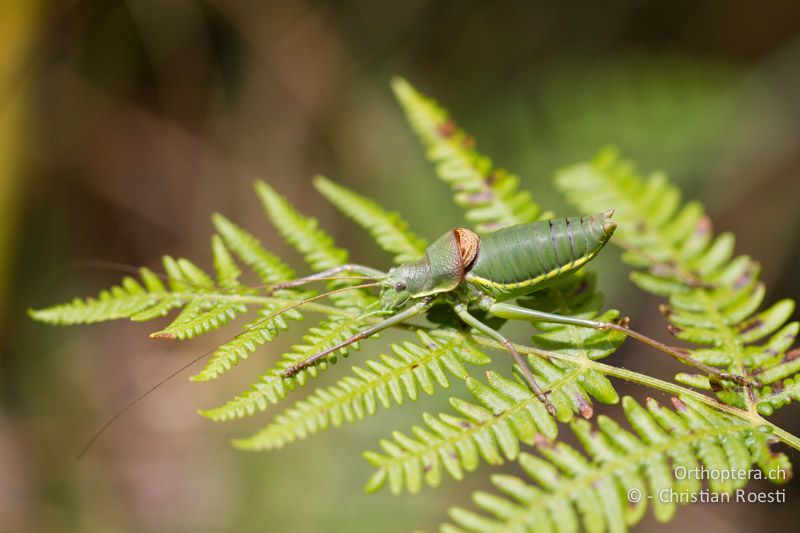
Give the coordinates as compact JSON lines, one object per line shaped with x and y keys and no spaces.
{"x":514,"y":260}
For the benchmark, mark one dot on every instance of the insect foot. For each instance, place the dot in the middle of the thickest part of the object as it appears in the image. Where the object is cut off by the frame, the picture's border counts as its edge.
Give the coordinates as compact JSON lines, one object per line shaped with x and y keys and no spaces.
{"x":743,"y":381}
{"x":548,"y":404}
{"x":291,"y":371}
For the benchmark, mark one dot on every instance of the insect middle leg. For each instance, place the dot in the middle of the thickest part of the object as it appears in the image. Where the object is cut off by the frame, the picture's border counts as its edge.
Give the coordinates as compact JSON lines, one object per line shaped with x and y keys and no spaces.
{"x":463,"y":313}
{"x":505,"y":310}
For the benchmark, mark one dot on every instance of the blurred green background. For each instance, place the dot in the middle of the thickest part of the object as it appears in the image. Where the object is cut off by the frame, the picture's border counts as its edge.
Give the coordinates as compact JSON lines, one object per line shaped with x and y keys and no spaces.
{"x":124,"y":125}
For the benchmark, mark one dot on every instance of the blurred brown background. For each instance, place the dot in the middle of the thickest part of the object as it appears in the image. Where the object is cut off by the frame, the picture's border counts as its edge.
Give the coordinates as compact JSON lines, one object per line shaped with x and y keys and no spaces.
{"x":124,"y":125}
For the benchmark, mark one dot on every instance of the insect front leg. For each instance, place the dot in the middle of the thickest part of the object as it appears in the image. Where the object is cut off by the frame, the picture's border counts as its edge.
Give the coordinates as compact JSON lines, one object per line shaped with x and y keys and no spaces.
{"x":463,"y":313}
{"x":416,"y":309}
{"x":517,"y":312}
{"x":365,"y":271}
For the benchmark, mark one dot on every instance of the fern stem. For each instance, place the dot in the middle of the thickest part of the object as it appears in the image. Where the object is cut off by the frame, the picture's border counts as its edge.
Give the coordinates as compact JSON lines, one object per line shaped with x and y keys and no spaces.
{"x":783,"y":435}
{"x":259,"y":300}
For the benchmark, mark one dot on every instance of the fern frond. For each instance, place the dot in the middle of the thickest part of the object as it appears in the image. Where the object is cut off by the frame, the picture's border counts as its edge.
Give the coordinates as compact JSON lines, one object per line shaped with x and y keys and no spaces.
{"x":411,"y":368}
{"x":126,"y":300}
{"x":272,"y":387}
{"x":572,"y":387}
{"x":779,"y":395}
{"x":713,"y":298}
{"x":227,"y":270}
{"x":388,"y":229}
{"x":572,"y":490}
{"x":199,"y":315}
{"x":260,"y":331}
{"x":251,"y":252}
{"x":270,"y":270}
{"x":506,"y":413}
{"x":713,"y":301}
{"x":491,"y":196}
{"x":206,"y":305}
{"x":317,"y":247}
{"x":301,"y":232}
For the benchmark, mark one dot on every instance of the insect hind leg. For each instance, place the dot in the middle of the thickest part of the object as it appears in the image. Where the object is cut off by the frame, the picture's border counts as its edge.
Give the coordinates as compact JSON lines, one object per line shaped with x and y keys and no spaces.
{"x":470,"y":320}
{"x":512,"y":311}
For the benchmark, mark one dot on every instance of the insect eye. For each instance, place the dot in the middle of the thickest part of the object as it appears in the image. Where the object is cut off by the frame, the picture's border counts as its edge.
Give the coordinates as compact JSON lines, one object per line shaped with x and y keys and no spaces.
{"x":400,"y":287}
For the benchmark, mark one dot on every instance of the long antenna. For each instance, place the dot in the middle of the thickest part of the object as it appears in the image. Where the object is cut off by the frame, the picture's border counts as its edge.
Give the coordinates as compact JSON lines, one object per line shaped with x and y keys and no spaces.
{"x":152,"y":389}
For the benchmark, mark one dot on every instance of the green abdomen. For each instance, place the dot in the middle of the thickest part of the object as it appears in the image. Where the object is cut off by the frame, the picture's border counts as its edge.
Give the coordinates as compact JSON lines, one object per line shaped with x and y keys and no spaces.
{"x":520,"y":259}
